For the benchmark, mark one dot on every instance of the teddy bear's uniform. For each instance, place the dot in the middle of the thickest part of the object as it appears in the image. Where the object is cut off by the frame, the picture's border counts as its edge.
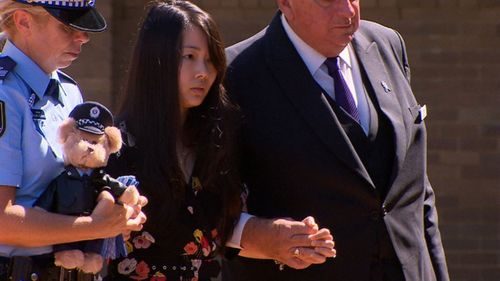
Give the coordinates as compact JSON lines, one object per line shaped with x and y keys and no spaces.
{"x":74,"y":193}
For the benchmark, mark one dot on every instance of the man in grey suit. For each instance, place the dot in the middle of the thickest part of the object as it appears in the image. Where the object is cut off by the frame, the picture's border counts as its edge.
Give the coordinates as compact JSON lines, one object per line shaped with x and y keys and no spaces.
{"x":333,"y":130}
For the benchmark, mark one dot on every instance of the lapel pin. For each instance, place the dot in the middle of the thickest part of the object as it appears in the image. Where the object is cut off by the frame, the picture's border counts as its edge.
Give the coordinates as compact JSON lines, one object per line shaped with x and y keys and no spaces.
{"x":386,"y":87}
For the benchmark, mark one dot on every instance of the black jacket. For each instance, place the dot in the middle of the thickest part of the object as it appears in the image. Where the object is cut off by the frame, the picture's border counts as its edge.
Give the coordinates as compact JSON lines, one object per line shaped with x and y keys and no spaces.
{"x":298,"y":160}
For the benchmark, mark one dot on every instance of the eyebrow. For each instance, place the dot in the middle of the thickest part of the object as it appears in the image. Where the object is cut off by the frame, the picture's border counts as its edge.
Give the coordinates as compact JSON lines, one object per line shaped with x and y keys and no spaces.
{"x":191,"y":47}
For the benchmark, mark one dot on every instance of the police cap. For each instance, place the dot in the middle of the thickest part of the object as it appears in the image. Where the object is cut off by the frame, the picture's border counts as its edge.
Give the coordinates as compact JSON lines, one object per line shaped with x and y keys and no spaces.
{"x":92,"y":117}
{"x":79,"y":14}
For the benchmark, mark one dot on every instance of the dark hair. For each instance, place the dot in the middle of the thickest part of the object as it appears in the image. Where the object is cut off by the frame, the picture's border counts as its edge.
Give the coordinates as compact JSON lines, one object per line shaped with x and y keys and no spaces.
{"x":152,"y":112}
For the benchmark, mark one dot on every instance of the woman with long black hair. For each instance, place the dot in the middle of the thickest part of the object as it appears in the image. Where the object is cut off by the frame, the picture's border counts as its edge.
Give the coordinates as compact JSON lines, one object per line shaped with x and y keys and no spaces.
{"x":177,"y":128}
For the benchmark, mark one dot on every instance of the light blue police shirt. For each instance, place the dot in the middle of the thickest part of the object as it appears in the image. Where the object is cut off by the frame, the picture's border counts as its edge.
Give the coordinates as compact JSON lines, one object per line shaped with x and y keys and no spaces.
{"x":30,"y":155}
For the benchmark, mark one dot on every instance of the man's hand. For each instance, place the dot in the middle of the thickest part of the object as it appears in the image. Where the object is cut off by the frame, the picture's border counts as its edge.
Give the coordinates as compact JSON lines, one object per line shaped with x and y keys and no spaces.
{"x":321,"y":248}
{"x":279,"y":239}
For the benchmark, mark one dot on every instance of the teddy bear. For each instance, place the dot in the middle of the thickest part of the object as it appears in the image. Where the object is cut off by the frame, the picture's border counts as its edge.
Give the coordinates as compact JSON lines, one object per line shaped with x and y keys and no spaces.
{"x":88,"y":138}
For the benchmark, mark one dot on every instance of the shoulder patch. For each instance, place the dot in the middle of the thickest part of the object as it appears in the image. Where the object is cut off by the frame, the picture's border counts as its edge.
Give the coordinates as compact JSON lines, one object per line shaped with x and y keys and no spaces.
{"x":3,"y":120}
{"x":66,"y":77}
{"x":6,"y":66}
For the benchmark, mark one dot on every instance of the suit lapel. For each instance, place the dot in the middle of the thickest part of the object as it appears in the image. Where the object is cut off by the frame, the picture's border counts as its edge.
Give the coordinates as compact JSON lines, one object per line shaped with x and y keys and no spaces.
{"x":370,"y":59}
{"x":307,"y":97}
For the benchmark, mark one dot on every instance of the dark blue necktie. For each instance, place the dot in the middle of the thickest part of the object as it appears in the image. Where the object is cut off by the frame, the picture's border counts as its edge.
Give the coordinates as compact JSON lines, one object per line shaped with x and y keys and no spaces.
{"x":53,"y":90}
{"x":343,"y":96}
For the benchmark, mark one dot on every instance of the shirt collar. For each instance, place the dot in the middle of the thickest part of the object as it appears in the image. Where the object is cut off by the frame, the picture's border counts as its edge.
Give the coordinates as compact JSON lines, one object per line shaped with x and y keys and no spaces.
{"x":345,"y":56}
{"x":312,"y":58}
{"x":29,"y":71}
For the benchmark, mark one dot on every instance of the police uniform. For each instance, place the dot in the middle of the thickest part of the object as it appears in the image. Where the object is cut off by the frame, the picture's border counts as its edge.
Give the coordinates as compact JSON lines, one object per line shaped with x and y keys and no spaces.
{"x":32,"y":105}
{"x":31,"y":156}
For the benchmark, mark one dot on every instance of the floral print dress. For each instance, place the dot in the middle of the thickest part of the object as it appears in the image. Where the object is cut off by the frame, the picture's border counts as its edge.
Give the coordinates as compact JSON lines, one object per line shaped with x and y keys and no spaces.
{"x":157,"y":260}
{"x":180,"y":247}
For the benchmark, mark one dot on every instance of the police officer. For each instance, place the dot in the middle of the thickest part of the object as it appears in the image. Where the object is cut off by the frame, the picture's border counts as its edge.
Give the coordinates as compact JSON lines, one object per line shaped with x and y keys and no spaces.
{"x":43,"y":36}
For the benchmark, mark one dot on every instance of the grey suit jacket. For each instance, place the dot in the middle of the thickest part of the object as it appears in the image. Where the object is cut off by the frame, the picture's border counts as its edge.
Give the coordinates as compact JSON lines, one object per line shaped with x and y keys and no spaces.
{"x":298,"y":161}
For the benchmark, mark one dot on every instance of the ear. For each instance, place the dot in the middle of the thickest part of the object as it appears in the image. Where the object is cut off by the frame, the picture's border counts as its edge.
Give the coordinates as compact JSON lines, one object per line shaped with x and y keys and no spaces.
{"x":286,"y":8}
{"x":23,"y":21}
{"x":114,"y":138}
{"x":67,"y":127}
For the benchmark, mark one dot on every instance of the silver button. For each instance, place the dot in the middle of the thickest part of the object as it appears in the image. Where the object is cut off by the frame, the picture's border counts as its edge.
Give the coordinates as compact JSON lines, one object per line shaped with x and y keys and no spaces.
{"x":384,"y":210}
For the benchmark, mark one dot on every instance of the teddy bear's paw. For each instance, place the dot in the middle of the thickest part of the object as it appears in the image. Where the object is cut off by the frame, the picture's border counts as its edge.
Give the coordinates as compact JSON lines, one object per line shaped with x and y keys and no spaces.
{"x":69,"y":259}
{"x":92,"y":263}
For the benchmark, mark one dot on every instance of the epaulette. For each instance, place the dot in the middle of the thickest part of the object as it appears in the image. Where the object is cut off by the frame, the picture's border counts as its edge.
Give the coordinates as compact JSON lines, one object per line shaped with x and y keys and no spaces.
{"x":66,"y":77}
{"x":6,"y":66}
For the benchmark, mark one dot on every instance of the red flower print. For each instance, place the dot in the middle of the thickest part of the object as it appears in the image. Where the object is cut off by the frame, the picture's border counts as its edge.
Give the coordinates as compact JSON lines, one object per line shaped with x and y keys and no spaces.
{"x":142,"y":271}
{"x":204,"y":242}
{"x":190,"y":248}
{"x":205,"y":246}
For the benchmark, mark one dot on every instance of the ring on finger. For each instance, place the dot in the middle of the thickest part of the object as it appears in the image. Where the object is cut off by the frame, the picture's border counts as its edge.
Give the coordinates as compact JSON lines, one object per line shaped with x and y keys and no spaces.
{"x":296,"y":253}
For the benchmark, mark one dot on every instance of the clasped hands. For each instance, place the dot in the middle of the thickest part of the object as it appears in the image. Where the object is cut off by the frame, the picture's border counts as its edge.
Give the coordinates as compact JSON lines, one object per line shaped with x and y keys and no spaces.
{"x":120,"y":218}
{"x":297,"y":244}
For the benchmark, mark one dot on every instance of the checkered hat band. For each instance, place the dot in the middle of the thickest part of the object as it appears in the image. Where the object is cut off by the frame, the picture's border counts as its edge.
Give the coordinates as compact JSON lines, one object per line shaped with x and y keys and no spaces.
{"x":91,"y":123}
{"x":61,"y":3}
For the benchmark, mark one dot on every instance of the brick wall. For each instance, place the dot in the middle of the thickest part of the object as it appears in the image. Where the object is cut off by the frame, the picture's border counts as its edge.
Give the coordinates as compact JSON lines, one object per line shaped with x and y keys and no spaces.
{"x":93,"y":70}
{"x":454,"y":51}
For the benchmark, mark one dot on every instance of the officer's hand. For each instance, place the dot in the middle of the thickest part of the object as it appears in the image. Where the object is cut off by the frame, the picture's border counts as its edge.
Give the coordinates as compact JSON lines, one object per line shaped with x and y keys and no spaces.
{"x":114,"y":219}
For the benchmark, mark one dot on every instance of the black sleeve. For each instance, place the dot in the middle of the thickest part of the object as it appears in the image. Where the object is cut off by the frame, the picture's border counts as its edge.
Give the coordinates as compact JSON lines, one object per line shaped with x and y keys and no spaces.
{"x":47,"y":200}
{"x":112,"y":185}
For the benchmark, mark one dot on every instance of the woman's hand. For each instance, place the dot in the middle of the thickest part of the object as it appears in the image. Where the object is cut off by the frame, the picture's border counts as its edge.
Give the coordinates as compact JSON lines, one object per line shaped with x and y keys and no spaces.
{"x":137,"y":207}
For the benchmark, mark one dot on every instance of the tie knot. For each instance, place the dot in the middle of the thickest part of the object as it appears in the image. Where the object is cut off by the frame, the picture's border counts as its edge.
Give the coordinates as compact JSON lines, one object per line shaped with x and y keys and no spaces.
{"x":332,"y":64}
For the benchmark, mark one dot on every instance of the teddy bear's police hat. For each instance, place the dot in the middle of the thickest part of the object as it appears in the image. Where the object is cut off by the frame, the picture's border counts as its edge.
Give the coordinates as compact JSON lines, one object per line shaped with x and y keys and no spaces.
{"x":79,"y":14}
{"x":92,"y":117}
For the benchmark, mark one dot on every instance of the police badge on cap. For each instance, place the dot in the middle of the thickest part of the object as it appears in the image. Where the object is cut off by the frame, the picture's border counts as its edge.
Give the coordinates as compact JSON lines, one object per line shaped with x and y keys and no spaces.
{"x":79,"y":14}
{"x":92,"y":117}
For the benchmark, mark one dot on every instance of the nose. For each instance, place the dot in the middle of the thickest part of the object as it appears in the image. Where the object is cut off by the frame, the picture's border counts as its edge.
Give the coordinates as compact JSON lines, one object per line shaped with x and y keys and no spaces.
{"x":90,"y":149}
{"x":345,"y":9}
{"x":203,"y":70}
{"x":81,"y":36}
